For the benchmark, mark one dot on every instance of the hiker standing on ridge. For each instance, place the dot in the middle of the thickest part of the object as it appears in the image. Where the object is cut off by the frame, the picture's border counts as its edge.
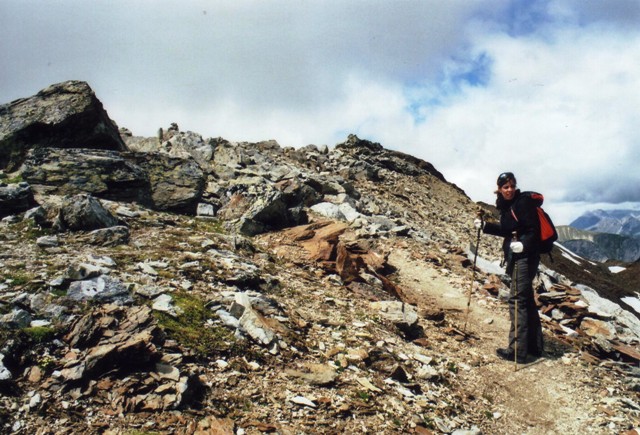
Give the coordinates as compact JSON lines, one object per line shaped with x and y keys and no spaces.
{"x":520,"y":228}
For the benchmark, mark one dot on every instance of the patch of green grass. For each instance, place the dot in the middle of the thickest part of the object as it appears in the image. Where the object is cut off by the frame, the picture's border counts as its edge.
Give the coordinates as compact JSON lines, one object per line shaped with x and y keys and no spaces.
{"x":123,"y":255}
{"x":34,"y":231}
{"x":363,"y":395}
{"x":429,"y":423}
{"x":28,"y":230}
{"x":208,"y":226}
{"x":361,"y":315}
{"x":59,"y":292}
{"x":247,"y":406}
{"x":15,"y":180}
{"x":190,"y":329}
{"x":166,"y":274}
{"x":39,"y":334}
{"x":17,"y":278}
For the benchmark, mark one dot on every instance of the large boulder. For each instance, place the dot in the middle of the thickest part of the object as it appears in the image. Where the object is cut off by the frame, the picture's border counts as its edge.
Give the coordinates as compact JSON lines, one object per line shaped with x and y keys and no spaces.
{"x":101,"y":173}
{"x":101,"y":288}
{"x":176,"y":143}
{"x":84,"y":212}
{"x":261,"y":160}
{"x":155,"y":180}
{"x":177,"y":184}
{"x":15,"y":198}
{"x":270,"y":212}
{"x":64,"y":115}
{"x":369,"y":157}
{"x":189,"y":144}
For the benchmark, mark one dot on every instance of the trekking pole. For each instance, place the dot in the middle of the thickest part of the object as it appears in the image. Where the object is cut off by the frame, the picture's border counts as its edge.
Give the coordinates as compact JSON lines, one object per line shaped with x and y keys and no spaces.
{"x":473,"y":273}
{"x":515,"y":291}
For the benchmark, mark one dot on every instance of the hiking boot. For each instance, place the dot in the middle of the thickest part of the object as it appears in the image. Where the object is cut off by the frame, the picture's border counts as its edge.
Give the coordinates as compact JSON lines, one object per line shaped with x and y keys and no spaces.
{"x":510,"y":355}
{"x":536,"y":353}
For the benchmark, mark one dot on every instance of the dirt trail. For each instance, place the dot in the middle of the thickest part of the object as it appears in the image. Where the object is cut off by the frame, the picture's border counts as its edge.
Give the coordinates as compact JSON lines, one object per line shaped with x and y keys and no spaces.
{"x":554,"y":395}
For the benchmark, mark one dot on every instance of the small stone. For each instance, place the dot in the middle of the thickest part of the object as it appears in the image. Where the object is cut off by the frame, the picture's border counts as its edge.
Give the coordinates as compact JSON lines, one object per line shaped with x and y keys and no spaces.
{"x":164,"y":303}
{"x":35,"y":374}
{"x":47,"y":241}
{"x":168,"y":372}
{"x":5,"y":374}
{"x":35,"y":401}
{"x":315,"y":374}
{"x":150,"y":291}
{"x":39,"y":323}
{"x":17,"y":318}
{"x":146,"y":268}
{"x":190,"y":265}
{"x":300,"y":400}
{"x":82,"y":271}
{"x":368,"y":385}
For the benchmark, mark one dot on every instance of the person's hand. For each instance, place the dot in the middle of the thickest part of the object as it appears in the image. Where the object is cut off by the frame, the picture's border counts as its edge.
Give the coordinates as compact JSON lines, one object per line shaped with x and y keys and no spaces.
{"x":516,"y":247}
{"x":478,"y":223}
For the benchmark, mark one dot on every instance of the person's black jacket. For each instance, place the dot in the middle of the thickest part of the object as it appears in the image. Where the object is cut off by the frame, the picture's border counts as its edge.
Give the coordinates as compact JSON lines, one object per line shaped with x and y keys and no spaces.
{"x":527,"y":225}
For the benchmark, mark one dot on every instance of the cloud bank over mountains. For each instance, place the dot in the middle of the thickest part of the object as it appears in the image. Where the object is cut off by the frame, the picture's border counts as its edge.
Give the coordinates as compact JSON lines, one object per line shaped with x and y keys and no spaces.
{"x":547,"y":89}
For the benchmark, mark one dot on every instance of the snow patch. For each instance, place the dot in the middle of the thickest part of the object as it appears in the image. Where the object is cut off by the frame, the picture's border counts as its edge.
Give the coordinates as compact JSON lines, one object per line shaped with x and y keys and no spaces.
{"x":570,"y":258}
{"x":632,"y":302}
{"x":616,"y":269}
{"x":486,"y":266}
{"x":569,"y":255}
{"x":605,"y":308}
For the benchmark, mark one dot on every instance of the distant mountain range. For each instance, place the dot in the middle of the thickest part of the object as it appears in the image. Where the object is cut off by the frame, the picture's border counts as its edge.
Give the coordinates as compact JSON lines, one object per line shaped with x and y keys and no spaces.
{"x":603,"y":235}
{"x":622,"y":222}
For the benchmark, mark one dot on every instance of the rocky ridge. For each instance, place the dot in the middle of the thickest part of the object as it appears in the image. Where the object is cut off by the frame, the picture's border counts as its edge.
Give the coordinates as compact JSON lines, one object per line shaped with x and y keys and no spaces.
{"x":623,"y":222}
{"x":190,"y":285}
{"x":600,"y":246}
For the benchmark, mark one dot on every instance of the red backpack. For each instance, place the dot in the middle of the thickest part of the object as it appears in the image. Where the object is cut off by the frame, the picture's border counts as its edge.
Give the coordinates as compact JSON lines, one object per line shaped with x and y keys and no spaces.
{"x":548,"y":233}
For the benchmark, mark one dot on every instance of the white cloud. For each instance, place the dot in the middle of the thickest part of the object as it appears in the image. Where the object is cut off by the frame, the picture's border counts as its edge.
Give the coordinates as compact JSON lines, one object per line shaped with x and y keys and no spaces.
{"x":547,"y":88}
{"x":559,"y":112}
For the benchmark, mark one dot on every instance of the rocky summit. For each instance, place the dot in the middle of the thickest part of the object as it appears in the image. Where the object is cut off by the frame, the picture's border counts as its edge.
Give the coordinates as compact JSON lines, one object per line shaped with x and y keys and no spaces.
{"x":177,"y":284}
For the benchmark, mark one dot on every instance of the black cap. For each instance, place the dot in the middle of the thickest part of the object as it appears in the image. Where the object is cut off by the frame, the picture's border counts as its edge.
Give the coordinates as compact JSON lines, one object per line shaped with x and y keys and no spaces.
{"x":504,"y":177}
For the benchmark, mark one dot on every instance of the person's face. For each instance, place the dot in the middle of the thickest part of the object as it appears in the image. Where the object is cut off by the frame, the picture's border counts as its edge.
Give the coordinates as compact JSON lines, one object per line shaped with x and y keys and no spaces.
{"x":508,"y":190}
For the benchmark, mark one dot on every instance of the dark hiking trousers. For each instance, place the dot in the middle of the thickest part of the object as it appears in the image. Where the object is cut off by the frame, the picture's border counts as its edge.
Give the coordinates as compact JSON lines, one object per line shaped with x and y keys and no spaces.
{"x":529,"y":336}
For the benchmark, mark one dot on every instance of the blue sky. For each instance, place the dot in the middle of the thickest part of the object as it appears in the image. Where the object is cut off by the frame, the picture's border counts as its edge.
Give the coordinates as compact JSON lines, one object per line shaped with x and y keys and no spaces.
{"x":546,"y":89}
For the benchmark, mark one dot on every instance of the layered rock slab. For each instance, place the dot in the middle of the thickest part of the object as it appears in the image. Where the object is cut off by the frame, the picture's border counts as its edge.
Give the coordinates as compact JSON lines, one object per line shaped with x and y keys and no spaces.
{"x":64,"y":115}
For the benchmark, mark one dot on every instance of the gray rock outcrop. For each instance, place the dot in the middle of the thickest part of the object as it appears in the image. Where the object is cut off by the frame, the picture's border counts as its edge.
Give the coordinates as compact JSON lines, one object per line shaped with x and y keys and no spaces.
{"x":102,"y":288}
{"x":101,"y":173}
{"x":155,"y":180}
{"x":176,"y":143}
{"x":64,"y":115}
{"x":15,"y":198}
{"x":139,"y":315}
{"x":269,"y":213}
{"x":84,"y":212}
{"x":176,"y":183}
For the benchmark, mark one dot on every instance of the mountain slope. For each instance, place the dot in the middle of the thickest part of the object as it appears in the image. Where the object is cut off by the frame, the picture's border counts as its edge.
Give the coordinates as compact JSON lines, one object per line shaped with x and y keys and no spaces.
{"x":623,"y":222}
{"x":600,"y":246}
{"x":316,"y":290}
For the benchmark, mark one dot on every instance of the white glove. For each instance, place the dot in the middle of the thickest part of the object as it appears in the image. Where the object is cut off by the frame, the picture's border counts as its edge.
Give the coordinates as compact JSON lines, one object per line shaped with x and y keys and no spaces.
{"x":478,"y":223}
{"x":516,"y":247}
